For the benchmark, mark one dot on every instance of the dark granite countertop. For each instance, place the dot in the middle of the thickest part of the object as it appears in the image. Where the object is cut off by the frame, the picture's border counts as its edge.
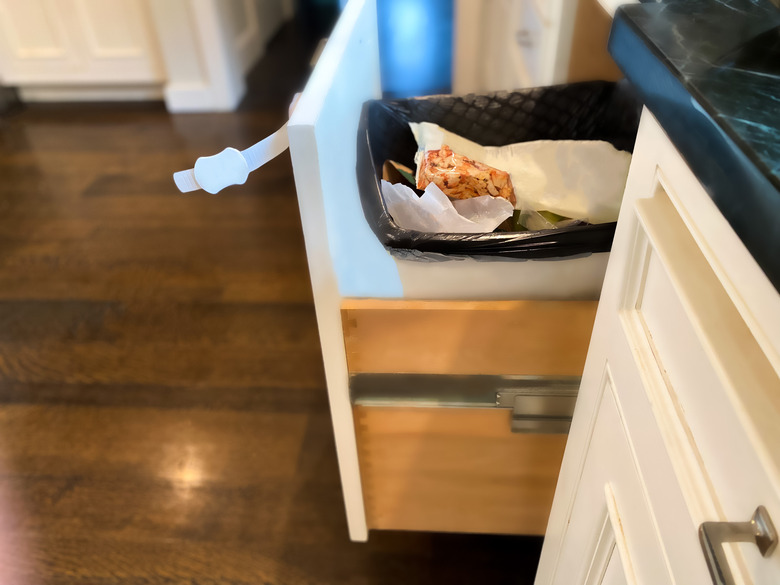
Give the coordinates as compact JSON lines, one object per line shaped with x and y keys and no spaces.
{"x":706,"y":70}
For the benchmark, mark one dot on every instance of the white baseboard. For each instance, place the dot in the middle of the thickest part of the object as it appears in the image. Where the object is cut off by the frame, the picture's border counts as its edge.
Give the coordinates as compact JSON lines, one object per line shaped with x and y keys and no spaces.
{"x":197,"y":97}
{"x":89,"y":93}
{"x":179,"y":97}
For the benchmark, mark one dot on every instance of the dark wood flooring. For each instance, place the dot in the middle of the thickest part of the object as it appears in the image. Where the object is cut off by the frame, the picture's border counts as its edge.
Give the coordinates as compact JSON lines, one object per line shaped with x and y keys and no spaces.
{"x":163,"y":414}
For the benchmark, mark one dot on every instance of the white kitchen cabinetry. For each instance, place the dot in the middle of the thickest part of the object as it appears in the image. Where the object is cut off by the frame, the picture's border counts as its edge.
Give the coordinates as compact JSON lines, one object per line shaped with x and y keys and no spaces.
{"x":77,"y":41}
{"x":194,"y":53}
{"x":610,"y":510}
{"x":510,"y":44}
{"x":676,"y":420}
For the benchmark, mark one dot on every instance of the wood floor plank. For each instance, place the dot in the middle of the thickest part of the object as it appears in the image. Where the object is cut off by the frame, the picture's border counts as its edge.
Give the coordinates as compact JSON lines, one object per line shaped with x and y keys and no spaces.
{"x":261,"y":397}
{"x":188,"y":448}
{"x":281,"y":326}
{"x":157,"y":283}
{"x":107,"y":363}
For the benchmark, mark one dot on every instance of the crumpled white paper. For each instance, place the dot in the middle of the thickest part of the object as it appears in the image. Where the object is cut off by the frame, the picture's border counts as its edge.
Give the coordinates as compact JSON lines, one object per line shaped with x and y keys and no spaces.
{"x":581,"y":179}
{"x":434,"y":212}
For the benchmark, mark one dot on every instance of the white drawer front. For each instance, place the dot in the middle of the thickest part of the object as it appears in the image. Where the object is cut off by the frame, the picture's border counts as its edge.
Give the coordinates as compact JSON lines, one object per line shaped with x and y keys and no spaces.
{"x":343,"y":253}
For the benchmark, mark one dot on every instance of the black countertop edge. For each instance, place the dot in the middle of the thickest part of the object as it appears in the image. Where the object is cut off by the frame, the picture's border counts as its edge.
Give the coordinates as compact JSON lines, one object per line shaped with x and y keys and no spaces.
{"x":742,"y":191}
{"x":702,"y":100}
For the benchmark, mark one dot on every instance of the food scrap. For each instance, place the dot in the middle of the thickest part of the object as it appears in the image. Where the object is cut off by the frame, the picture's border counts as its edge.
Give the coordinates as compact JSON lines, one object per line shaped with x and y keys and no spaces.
{"x":460,"y":177}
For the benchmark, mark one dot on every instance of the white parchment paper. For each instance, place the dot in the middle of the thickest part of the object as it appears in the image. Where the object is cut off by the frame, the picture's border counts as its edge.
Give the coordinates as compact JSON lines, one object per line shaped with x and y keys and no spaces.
{"x":581,"y":179}
{"x":434,"y":212}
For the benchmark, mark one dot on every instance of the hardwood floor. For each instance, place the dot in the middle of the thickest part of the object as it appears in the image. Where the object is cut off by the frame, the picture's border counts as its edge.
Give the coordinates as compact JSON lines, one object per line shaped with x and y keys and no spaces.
{"x":163,"y":414}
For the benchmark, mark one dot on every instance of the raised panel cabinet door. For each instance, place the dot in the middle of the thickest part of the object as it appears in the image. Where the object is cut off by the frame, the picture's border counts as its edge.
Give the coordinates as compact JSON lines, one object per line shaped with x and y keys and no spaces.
{"x":715,"y":394}
{"x":76,"y":42}
{"x":684,"y":328}
{"x":696,"y":312}
{"x":35,"y":42}
{"x":117,"y":41}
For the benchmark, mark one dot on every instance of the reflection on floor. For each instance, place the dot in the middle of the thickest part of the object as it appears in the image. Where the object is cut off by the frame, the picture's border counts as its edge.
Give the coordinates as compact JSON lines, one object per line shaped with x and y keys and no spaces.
{"x":163,"y":416}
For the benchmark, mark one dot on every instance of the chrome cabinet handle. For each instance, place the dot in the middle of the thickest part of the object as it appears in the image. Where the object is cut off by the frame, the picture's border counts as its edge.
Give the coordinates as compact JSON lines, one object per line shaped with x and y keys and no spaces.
{"x":713,"y":535}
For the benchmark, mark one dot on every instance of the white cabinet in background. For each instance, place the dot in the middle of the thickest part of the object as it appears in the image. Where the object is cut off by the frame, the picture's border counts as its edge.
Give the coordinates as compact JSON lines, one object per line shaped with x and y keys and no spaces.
{"x":498,"y":45}
{"x":510,"y":44}
{"x":683,"y":377}
{"x":194,"y":53}
{"x":77,"y":41}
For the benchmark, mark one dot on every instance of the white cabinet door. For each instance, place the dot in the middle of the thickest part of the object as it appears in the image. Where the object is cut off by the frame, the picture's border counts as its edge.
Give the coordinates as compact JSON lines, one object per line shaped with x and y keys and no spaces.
{"x":77,"y":41}
{"x":35,"y":42}
{"x":117,"y":40}
{"x":684,"y":337}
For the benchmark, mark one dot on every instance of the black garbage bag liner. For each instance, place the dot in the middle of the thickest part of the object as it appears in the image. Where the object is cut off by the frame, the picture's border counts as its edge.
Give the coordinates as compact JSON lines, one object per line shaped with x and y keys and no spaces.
{"x":596,"y":110}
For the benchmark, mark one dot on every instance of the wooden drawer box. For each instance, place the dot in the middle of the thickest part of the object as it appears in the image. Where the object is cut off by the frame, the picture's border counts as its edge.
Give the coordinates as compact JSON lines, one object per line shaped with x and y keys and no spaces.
{"x":460,"y":469}
{"x":524,"y":338}
{"x":454,"y":470}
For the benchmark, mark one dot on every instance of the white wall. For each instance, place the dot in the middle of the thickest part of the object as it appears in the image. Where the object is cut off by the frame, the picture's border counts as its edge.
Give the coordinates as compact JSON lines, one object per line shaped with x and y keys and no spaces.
{"x":208,"y":46}
{"x":251,"y":24}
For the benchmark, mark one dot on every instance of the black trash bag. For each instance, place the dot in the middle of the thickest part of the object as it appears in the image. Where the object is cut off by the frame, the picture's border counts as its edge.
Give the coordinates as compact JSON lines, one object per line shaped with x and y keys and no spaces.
{"x":595,"y":110}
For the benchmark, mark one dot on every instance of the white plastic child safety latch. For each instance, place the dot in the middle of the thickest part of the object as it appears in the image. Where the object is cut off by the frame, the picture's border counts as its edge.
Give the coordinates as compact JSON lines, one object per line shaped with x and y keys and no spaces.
{"x":231,"y":166}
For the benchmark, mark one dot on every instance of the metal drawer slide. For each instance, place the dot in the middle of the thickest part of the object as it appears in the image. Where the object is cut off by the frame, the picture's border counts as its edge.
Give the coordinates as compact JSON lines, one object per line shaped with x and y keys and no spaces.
{"x":539,"y":404}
